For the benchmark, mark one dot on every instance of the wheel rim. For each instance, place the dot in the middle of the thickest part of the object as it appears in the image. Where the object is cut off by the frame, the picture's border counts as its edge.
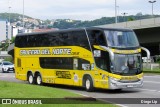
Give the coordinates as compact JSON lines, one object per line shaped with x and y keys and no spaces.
{"x":30,"y":79}
{"x":39,"y":80}
{"x":87,"y":84}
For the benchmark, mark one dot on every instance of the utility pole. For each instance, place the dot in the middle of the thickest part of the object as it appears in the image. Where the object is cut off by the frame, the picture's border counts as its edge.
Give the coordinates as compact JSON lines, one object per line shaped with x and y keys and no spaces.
{"x":117,"y":14}
{"x":115,"y":11}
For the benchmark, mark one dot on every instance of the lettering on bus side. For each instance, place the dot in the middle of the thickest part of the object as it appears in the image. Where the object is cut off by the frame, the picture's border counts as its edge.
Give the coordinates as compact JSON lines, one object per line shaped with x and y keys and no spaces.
{"x":35,"y":52}
{"x":30,"y":52}
{"x":63,"y":74}
{"x":64,"y":51}
{"x":55,"y":51}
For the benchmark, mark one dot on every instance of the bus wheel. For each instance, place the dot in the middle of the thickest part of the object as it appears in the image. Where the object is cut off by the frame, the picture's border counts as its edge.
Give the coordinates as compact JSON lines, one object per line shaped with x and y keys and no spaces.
{"x":38,"y":79}
{"x":30,"y":78}
{"x":89,"y":84}
{"x":117,"y":90}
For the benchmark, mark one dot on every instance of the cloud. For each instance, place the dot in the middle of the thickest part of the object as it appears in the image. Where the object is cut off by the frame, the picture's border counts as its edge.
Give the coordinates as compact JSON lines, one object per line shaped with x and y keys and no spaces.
{"x":76,"y":9}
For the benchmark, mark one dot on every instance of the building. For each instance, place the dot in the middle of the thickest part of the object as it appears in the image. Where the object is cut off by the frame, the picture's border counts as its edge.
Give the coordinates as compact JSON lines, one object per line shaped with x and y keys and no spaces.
{"x":14,"y":31}
{"x":3,"y":55}
{"x":5,"y":30}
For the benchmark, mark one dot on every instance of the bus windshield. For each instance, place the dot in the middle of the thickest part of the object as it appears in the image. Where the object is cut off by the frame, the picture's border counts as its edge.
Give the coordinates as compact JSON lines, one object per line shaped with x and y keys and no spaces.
{"x":121,"y":39}
{"x":126,"y":64}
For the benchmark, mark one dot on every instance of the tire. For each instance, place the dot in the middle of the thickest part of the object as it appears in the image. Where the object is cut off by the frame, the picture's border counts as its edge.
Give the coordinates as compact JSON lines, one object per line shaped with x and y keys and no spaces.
{"x":31,"y":78}
{"x":118,"y":90}
{"x":38,"y":79}
{"x":88,"y":83}
{"x":2,"y":70}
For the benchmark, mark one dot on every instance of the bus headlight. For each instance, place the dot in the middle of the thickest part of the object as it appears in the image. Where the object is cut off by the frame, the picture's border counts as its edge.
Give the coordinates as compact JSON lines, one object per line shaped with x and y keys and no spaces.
{"x":113,"y":80}
{"x":113,"y":83}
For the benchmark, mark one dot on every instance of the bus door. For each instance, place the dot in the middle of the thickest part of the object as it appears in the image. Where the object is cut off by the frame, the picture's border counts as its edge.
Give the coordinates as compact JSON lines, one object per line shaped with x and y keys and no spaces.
{"x":101,"y":57}
{"x":76,"y":73}
{"x":102,"y":65}
{"x":72,"y":76}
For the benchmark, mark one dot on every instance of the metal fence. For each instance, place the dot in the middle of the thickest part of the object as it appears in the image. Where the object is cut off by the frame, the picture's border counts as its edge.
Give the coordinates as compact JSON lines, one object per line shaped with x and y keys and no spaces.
{"x":151,"y":64}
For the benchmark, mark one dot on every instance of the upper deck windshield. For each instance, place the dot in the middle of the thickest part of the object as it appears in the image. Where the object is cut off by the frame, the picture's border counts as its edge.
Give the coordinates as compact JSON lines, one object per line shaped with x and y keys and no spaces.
{"x":121,"y":39}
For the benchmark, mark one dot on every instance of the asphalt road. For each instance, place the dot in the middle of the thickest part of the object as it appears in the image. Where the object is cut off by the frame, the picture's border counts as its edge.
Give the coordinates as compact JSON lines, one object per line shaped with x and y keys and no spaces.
{"x":150,"y":89}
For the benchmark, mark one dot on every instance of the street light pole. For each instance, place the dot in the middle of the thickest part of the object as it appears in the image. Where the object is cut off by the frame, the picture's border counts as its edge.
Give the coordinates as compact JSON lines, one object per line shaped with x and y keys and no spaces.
{"x":152,"y":5}
{"x":9,"y":15}
{"x":9,"y":7}
{"x":115,"y":11}
{"x":23,"y":15}
{"x":124,"y":14}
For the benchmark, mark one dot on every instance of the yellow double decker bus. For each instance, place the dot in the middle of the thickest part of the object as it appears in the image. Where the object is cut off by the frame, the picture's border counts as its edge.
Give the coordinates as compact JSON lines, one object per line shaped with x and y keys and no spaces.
{"x":107,"y":58}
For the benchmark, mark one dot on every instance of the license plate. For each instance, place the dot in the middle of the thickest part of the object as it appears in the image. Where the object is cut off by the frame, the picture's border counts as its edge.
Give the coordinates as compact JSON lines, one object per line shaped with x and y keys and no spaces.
{"x":130,"y":86}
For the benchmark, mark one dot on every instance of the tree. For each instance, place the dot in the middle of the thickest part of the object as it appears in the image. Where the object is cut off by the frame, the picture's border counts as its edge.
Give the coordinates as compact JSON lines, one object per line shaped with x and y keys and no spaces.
{"x":12,"y":40}
{"x":130,"y":19}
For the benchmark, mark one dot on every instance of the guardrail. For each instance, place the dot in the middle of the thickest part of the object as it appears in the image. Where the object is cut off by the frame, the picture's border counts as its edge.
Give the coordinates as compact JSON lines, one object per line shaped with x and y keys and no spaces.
{"x":137,"y":24}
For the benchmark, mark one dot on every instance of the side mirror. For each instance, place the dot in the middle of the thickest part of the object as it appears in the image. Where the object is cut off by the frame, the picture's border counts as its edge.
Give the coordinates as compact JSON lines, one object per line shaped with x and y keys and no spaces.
{"x":110,"y":52}
{"x":147,"y":51}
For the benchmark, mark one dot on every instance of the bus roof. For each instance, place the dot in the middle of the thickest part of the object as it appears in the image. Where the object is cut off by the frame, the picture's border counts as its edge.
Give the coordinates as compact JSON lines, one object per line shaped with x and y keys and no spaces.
{"x":74,"y":29}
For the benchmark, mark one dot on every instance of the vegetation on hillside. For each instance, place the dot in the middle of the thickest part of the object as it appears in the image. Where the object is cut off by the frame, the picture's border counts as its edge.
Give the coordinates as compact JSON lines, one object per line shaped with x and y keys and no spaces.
{"x":14,"y":17}
{"x":69,"y":23}
{"x":104,"y":20}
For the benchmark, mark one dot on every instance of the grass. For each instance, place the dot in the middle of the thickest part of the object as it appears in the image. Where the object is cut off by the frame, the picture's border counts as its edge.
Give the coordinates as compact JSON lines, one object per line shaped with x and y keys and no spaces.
{"x":16,"y":90}
{"x":154,"y":71}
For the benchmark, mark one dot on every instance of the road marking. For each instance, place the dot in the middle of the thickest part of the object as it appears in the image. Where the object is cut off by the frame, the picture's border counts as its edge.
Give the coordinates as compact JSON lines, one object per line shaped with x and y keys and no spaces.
{"x":81,"y":94}
{"x":5,"y":76}
{"x":147,"y":90}
{"x":112,"y":103}
{"x":101,"y":100}
{"x":155,"y":76}
{"x":152,"y":82}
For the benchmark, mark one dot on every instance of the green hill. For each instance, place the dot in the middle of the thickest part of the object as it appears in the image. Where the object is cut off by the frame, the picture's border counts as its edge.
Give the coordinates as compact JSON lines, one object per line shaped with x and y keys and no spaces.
{"x":65,"y":24}
{"x":14,"y":17}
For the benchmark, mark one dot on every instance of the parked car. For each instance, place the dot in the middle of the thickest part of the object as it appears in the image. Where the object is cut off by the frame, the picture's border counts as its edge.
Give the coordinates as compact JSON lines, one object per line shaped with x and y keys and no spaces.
{"x":6,"y":66}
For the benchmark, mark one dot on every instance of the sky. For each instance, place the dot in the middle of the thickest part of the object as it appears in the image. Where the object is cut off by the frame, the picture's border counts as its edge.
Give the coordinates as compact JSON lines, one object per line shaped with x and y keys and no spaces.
{"x":77,"y":9}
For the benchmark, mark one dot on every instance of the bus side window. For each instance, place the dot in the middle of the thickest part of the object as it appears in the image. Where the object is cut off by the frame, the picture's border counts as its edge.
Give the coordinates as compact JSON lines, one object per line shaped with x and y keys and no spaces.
{"x":80,"y":39}
{"x":100,"y":39}
{"x":18,"y":62}
{"x":39,"y":40}
{"x":52,"y":39}
{"x":31,"y":42}
{"x":56,"y":63}
{"x":21,"y":41}
{"x":96,"y":37}
{"x":65,"y":40}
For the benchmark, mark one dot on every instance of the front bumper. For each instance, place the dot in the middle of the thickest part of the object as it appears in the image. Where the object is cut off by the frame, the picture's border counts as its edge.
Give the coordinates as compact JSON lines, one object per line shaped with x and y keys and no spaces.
{"x":113,"y":84}
{"x":8,"y":69}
